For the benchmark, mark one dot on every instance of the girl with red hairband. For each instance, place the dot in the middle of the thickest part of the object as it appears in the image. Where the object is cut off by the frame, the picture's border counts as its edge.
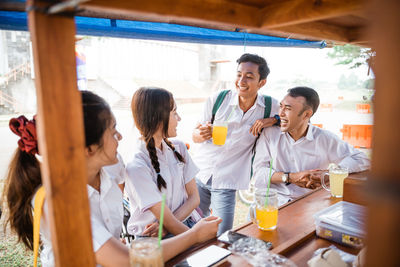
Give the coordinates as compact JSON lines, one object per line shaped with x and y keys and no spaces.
{"x":24,"y":179}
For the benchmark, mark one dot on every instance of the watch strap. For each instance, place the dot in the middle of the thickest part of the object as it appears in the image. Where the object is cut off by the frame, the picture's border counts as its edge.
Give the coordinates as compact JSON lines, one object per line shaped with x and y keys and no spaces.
{"x":278,"y":120}
{"x":288,"y":178}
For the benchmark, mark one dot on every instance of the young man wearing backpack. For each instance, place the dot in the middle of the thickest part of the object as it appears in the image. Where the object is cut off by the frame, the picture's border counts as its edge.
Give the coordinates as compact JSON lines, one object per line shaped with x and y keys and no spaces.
{"x":227,"y":168}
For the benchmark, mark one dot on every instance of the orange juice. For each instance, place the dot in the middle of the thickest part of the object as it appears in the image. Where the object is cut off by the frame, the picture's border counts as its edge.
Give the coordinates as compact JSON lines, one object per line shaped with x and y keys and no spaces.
{"x":219,"y":135}
{"x":267,"y":218}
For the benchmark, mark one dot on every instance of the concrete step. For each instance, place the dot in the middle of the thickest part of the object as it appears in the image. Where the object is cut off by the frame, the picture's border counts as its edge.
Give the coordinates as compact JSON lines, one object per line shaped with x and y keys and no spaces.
{"x":123,"y":104}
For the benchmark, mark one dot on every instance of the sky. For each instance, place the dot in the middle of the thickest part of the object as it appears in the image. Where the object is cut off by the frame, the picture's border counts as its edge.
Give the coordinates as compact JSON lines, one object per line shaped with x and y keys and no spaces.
{"x":291,"y":62}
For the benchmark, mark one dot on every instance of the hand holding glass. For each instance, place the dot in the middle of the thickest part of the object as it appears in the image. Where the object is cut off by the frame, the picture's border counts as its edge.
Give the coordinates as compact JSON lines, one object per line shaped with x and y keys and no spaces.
{"x":336,"y":180}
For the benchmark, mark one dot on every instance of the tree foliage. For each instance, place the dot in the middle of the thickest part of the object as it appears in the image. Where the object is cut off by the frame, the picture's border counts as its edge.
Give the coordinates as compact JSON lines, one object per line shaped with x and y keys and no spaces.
{"x":352,"y":55}
{"x":349,"y":82}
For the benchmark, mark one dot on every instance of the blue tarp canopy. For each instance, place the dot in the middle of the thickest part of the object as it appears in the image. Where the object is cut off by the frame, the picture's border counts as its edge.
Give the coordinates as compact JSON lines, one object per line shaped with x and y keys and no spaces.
{"x":12,"y":20}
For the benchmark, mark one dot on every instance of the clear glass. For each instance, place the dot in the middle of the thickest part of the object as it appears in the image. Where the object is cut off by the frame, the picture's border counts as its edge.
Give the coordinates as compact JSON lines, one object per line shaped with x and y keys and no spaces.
{"x":145,"y":252}
{"x":336,"y":180}
{"x":219,"y":132}
{"x":264,"y":210}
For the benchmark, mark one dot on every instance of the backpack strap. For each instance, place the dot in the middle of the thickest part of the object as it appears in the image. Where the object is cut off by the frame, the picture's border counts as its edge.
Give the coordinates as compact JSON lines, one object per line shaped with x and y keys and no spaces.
{"x":268,"y":106}
{"x":267,"y":113}
{"x":37,"y":214}
{"x":218,"y":103}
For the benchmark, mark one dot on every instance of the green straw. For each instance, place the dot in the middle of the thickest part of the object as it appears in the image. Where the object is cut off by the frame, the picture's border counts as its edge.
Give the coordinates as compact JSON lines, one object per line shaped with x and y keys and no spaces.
{"x":161,"y":220}
{"x":269,"y":183}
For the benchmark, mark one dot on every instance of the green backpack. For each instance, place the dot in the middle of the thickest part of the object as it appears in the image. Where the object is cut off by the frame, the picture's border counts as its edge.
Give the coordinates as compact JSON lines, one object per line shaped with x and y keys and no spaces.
{"x":267,"y":113}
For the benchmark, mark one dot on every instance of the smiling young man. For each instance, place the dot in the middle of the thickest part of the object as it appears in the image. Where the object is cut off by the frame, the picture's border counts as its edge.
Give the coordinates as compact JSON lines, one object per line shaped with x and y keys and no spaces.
{"x":225,"y":169}
{"x":299,"y":151}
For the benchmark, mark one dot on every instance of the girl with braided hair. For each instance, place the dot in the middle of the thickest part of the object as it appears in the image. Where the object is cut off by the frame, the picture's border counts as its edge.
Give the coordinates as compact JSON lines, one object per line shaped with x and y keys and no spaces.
{"x":160,"y":166}
{"x":106,"y":212}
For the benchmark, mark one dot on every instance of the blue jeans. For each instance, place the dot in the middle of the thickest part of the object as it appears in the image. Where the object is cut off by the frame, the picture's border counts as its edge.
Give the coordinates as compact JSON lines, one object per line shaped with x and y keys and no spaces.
{"x":221,"y":201}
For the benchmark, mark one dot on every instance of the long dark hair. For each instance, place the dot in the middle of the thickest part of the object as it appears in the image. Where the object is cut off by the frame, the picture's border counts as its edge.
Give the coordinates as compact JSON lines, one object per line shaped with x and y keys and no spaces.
{"x":97,"y":117}
{"x":23,"y":177}
{"x":151,"y":107}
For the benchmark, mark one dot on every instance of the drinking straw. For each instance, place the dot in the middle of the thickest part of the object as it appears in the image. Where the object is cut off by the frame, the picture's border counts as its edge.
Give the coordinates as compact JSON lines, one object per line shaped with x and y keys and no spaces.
{"x":160,"y":227}
{"x":269,"y":183}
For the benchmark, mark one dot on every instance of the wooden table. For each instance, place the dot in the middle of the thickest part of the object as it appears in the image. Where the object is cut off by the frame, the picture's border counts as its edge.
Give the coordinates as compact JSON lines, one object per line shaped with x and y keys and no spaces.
{"x":294,"y":237}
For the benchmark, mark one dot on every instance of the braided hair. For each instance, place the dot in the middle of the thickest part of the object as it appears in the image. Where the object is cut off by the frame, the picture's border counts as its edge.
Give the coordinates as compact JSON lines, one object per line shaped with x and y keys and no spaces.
{"x":151,"y":107}
{"x":177,"y":154}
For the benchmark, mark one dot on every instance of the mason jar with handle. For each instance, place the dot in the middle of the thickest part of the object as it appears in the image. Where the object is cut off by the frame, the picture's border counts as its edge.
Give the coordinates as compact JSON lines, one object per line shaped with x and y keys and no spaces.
{"x":337,"y":175}
{"x":264,"y":210}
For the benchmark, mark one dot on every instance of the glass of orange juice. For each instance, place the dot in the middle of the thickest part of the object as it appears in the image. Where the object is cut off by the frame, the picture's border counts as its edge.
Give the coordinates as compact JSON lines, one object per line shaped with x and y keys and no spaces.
{"x":219,"y":132}
{"x":336,"y":180}
{"x":264,"y":210}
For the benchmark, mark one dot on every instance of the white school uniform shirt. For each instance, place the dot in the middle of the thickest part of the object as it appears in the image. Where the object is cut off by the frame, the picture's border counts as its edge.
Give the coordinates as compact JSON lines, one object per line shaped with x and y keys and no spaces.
{"x":316,"y":150}
{"x":230,"y":164}
{"x":117,"y":171}
{"x":141,"y":185}
{"x":106,"y":215}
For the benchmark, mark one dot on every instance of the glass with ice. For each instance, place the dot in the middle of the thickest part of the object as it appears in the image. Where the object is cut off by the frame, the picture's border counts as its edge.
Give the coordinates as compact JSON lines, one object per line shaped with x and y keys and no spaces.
{"x":145,"y":252}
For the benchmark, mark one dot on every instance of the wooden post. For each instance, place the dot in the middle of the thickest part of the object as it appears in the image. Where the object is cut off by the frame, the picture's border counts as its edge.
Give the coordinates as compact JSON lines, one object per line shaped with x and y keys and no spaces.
{"x":61,"y":135}
{"x":384,"y":190}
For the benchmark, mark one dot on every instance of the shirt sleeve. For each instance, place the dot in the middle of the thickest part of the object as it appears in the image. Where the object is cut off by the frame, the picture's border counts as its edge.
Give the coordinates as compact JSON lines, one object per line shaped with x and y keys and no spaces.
{"x":100,"y":234}
{"x":141,"y":185}
{"x":262,"y":160}
{"x":345,"y":155}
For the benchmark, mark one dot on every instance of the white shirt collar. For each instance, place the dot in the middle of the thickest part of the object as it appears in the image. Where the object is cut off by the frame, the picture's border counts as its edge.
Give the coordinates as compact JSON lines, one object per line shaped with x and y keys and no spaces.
{"x":142,"y":146}
{"x":260,"y":100}
{"x":235,"y":100}
{"x":165,"y":146}
{"x":309,"y":135}
{"x":105,"y":184}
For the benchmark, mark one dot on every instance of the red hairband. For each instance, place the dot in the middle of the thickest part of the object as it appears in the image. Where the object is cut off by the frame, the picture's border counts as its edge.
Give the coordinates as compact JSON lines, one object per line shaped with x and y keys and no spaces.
{"x":26,"y":129}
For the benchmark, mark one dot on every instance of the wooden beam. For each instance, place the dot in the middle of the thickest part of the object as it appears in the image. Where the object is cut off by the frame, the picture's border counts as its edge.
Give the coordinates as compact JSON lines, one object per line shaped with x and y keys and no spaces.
{"x":361,"y":14}
{"x":219,"y":12}
{"x":290,"y":12}
{"x":12,"y":5}
{"x":358,"y":36}
{"x":354,"y":190}
{"x":383,"y":230}
{"x":317,"y":30}
{"x":61,"y":136}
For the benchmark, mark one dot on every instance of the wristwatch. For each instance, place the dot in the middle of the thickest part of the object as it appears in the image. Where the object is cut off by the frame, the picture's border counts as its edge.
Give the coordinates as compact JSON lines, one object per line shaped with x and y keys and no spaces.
{"x":278,"y":120}
{"x":285,"y":178}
